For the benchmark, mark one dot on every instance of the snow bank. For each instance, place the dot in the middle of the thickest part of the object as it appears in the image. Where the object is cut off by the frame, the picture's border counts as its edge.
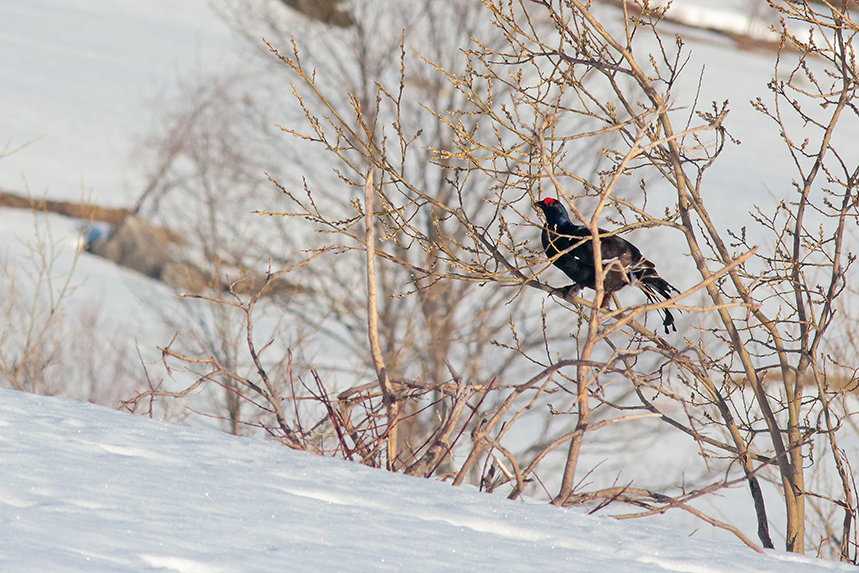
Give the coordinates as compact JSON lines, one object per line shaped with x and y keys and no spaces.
{"x":84,"y":488}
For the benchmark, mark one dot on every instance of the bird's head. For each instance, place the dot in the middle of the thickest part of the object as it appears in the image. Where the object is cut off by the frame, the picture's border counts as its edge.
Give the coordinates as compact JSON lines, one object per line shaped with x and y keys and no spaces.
{"x":553,"y":210}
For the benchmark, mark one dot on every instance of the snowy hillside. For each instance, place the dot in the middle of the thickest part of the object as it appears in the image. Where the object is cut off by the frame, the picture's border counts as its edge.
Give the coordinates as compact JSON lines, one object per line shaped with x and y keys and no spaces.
{"x":84,"y":488}
{"x":85,"y":73}
{"x":76,"y":78}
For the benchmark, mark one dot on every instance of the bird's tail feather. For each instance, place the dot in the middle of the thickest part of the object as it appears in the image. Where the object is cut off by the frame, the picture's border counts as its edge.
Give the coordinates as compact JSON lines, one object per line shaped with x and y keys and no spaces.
{"x":655,"y":286}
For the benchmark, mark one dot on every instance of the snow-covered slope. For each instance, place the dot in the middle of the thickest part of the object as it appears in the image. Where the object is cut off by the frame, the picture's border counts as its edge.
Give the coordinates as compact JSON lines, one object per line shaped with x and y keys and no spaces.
{"x":76,"y":75}
{"x":87,"y":489}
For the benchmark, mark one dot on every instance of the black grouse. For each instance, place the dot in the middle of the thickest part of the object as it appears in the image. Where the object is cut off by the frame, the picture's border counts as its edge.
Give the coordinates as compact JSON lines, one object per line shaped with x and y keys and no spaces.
{"x":570,"y":248}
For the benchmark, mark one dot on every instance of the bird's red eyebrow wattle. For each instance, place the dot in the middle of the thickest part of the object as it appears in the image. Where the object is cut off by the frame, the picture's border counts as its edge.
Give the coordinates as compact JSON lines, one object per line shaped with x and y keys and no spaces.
{"x":548,"y":201}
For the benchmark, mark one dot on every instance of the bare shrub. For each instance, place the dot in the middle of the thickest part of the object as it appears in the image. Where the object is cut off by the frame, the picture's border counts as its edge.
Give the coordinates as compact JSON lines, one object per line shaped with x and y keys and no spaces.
{"x":49,"y":344}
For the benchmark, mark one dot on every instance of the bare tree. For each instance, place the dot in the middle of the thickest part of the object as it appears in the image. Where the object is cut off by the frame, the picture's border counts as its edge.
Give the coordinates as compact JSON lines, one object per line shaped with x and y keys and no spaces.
{"x":190,"y":175}
{"x":417,"y":166}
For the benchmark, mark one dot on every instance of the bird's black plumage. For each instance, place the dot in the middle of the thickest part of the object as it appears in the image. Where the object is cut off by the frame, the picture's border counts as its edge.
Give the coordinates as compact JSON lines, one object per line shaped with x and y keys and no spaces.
{"x":570,"y":248}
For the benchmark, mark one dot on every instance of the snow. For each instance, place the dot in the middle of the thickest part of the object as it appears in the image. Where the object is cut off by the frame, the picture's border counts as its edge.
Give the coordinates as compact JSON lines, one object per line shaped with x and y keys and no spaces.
{"x":76,"y":75}
{"x":85,"y":488}
{"x":732,"y":20}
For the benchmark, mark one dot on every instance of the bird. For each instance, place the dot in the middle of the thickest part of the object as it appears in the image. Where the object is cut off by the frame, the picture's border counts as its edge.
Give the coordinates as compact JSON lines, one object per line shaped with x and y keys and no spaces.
{"x":570,"y":248}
